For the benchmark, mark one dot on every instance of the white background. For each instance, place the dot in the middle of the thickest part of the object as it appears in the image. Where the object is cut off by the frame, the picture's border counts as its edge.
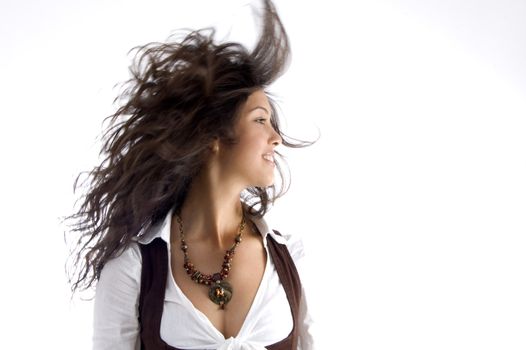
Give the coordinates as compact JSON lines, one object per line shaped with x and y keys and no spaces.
{"x":411,"y":205}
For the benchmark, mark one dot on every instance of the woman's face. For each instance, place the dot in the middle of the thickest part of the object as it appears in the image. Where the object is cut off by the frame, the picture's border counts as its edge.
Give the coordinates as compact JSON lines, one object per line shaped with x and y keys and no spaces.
{"x":251,"y":160}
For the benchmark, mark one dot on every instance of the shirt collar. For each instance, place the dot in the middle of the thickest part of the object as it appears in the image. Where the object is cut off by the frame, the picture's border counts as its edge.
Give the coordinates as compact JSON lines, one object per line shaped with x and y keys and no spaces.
{"x":162,"y":230}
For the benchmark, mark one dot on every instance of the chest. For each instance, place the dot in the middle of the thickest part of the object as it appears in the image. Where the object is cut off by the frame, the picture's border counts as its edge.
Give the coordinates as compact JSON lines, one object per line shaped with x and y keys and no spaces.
{"x":246,"y":273}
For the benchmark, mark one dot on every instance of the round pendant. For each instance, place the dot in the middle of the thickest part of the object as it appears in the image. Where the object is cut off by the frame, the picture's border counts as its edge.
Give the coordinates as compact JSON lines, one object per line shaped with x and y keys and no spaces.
{"x":220,"y":293}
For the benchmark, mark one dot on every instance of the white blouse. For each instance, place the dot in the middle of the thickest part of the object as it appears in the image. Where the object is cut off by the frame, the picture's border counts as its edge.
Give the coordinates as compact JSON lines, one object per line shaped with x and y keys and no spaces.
{"x":268,"y":321}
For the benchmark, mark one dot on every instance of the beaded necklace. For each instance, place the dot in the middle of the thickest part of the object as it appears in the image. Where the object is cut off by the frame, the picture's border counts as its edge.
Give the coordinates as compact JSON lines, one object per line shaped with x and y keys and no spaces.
{"x":220,"y":291}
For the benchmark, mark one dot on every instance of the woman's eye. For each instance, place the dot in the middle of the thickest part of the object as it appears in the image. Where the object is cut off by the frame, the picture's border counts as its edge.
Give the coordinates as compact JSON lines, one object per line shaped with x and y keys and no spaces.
{"x":261,"y":120}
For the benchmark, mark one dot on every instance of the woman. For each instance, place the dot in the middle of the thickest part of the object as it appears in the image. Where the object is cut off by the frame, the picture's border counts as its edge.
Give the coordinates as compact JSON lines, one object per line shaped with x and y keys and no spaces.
{"x":172,"y":228}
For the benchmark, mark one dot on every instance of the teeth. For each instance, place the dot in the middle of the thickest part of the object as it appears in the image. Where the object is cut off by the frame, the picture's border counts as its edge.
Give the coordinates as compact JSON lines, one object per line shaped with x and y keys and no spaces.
{"x":268,"y":157}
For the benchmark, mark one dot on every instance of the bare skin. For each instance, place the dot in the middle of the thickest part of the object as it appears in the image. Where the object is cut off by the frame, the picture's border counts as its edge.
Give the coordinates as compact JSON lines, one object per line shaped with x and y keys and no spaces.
{"x":247,"y":271}
{"x":212,"y":212}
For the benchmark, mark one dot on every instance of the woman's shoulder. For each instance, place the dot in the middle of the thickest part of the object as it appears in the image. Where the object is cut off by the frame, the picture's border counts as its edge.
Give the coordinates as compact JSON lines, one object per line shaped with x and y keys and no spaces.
{"x":126,"y":265}
{"x":293,"y":241}
{"x":131,"y":253}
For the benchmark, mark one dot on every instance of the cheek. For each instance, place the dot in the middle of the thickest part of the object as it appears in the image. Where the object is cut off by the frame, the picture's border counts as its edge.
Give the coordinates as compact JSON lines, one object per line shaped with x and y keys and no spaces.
{"x":248,"y":155}
{"x":250,"y":141}
{"x":250,"y":146}
{"x":241,"y":153}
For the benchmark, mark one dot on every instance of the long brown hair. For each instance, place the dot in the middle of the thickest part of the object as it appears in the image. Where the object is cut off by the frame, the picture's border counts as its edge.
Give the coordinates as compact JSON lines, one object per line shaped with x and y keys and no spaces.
{"x":182,"y":95}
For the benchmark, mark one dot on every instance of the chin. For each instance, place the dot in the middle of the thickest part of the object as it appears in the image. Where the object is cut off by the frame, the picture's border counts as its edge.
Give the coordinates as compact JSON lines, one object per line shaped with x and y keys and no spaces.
{"x":267,"y":183}
{"x":262,"y":179}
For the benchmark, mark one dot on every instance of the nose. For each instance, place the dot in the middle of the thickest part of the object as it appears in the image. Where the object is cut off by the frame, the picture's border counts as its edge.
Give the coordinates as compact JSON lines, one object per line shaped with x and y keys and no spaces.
{"x":276,"y":139}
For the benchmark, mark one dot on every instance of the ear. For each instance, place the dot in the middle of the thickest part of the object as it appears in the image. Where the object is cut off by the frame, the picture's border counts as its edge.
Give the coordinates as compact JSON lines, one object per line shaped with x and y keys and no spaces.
{"x":214,"y":146}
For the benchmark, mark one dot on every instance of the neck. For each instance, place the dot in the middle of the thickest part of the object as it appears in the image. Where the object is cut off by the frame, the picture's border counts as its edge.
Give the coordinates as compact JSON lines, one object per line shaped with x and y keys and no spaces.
{"x":211,"y":212}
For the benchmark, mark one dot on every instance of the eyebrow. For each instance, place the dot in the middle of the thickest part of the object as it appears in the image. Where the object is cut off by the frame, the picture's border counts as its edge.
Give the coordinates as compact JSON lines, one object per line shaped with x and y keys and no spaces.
{"x":259,"y":107}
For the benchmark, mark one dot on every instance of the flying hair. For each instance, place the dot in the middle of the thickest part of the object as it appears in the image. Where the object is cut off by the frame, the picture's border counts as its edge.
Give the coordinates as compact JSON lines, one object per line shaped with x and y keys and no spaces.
{"x":182,"y":95}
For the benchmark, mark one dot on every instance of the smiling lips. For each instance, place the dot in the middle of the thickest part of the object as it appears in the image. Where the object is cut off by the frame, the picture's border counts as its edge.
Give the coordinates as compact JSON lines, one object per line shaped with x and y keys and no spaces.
{"x":269,"y":157}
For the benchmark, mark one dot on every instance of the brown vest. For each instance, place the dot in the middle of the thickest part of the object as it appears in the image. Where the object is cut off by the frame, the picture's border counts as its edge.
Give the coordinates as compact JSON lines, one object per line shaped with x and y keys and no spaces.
{"x":153,"y":287}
